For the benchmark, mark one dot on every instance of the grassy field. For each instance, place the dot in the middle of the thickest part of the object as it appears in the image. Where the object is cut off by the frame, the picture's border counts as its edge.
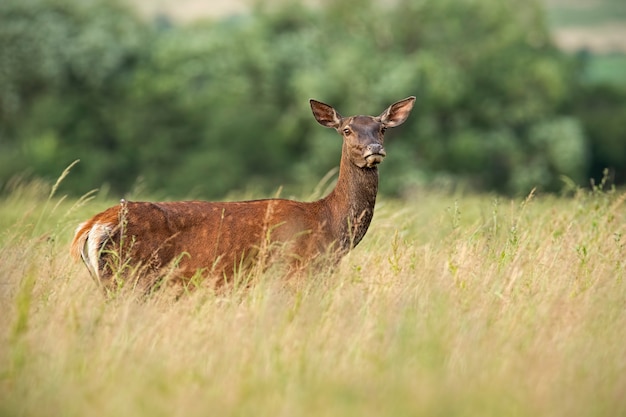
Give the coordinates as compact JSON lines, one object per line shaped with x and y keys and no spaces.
{"x":453,"y":305}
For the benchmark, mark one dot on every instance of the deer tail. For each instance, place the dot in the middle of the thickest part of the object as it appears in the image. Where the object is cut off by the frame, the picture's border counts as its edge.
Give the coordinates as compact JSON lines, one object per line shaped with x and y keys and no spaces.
{"x":87,"y":244}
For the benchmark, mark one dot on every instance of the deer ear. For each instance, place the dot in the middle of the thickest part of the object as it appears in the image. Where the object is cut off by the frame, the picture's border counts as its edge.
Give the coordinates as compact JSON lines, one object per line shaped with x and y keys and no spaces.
{"x":325,"y":114}
{"x":397,"y":113}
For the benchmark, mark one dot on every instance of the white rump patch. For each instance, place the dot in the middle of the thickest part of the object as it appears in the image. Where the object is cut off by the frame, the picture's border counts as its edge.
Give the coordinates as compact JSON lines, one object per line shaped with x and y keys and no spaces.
{"x":90,"y":252}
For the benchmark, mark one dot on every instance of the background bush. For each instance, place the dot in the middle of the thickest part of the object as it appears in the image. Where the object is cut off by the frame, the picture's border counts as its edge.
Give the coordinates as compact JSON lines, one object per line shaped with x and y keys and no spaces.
{"x":221,"y":105}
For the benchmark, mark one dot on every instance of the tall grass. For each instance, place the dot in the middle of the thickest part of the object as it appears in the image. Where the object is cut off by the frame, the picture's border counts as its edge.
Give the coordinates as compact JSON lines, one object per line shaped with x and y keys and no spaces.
{"x":452,"y":306}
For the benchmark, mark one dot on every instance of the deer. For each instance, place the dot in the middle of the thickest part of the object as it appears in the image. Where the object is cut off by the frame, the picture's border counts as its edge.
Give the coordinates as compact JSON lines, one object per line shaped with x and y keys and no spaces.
{"x":145,"y":241}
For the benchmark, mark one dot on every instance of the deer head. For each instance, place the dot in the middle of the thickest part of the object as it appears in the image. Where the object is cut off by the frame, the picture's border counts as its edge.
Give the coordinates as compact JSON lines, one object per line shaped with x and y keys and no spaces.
{"x":363,"y":135}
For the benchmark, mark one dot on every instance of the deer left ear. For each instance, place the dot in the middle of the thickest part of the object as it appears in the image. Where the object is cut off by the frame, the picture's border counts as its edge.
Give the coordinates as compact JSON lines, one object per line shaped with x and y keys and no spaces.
{"x":398,"y":112}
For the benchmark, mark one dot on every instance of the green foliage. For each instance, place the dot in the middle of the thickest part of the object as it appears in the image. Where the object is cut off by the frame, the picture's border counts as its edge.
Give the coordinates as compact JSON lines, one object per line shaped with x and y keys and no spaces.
{"x":602,"y":113}
{"x":607,"y":69}
{"x":205,"y":109}
{"x":64,"y":68}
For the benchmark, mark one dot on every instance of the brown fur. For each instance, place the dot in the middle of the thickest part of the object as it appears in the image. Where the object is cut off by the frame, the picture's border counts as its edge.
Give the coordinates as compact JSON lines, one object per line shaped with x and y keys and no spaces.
{"x":216,"y":239}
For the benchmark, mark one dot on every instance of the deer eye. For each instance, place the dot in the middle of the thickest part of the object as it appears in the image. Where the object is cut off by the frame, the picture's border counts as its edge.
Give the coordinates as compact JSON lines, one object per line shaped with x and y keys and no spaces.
{"x":346,"y":131}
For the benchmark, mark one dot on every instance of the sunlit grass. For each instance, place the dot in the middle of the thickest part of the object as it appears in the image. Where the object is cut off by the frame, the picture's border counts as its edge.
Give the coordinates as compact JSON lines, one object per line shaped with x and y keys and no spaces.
{"x":452,"y":305}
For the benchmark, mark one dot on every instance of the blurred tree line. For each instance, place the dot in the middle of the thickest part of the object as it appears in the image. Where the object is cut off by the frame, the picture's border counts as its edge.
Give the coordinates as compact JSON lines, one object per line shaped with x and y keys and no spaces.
{"x":202,"y":109}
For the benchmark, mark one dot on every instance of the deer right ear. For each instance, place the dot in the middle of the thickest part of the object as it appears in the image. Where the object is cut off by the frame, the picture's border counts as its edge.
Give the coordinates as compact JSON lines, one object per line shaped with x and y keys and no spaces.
{"x":325,"y":114}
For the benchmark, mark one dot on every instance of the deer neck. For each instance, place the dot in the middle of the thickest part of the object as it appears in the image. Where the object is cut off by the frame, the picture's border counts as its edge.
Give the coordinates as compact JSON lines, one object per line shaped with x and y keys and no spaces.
{"x":351,"y":203}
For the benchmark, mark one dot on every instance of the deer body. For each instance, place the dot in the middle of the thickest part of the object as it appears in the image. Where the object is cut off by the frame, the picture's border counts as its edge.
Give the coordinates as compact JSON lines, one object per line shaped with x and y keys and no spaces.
{"x":217,"y":239}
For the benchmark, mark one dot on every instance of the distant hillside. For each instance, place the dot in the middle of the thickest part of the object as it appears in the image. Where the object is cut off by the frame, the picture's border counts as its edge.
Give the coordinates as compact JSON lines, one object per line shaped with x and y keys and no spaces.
{"x":594,"y":25}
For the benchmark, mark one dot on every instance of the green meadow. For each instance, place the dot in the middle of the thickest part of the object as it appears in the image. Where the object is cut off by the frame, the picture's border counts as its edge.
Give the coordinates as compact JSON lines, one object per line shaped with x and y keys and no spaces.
{"x":454,"y":304}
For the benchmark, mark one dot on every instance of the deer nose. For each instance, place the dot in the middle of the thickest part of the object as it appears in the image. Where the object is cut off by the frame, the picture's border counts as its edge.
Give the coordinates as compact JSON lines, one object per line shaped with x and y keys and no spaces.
{"x":376,"y":148}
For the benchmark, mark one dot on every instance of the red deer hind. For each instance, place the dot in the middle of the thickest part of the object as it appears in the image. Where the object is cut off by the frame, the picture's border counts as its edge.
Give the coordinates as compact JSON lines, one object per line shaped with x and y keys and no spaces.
{"x":145,"y":241}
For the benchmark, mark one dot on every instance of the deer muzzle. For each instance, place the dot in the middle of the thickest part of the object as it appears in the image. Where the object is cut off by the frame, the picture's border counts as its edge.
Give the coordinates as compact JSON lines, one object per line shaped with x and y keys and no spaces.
{"x":374,"y":154}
